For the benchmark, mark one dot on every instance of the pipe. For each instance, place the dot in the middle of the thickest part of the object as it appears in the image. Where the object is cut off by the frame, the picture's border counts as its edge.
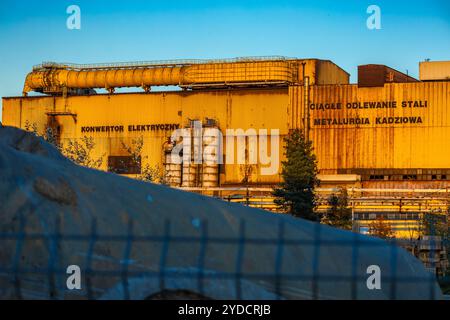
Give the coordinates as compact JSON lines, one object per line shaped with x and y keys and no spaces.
{"x":54,"y":78}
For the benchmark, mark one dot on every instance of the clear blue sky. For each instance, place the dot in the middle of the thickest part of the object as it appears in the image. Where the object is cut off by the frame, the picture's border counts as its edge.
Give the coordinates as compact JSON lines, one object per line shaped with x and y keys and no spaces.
{"x":33,"y":31}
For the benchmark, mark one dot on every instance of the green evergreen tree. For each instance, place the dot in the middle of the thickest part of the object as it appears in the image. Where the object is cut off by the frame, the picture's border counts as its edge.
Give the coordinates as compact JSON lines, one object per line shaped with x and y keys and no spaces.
{"x":338,"y":215}
{"x":295,"y":195}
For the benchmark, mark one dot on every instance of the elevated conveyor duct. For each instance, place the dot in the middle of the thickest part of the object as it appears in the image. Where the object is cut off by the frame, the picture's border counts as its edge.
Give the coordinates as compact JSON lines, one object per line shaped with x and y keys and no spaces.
{"x":54,"y":78}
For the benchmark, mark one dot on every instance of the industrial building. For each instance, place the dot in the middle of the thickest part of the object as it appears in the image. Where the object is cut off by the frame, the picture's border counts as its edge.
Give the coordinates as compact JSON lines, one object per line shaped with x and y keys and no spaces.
{"x":386,"y":138}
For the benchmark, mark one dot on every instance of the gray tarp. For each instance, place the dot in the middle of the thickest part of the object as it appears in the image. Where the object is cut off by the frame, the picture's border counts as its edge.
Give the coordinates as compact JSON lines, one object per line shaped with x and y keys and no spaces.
{"x":40,"y":185}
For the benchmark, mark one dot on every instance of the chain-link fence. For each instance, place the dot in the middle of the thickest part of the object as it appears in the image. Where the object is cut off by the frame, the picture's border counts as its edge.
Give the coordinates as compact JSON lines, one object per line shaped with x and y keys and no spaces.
{"x":113,"y":266}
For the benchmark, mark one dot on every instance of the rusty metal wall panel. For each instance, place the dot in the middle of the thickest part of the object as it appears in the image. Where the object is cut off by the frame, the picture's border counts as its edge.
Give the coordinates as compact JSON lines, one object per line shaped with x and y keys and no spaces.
{"x":339,"y":146}
{"x":376,"y":75}
{"x":232,"y":109}
{"x":423,"y":144}
{"x":330,"y":73}
{"x":372,"y":75}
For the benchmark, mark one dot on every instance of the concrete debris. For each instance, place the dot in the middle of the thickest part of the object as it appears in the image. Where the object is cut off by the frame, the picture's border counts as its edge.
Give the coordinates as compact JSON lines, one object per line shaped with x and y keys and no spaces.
{"x":60,"y":192}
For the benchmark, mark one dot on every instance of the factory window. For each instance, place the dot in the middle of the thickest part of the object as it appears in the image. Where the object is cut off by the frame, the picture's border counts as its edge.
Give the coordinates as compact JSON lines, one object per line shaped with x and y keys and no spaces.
{"x":124,"y":165}
{"x":434,"y":177}
{"x":409,"y":177}
{"x":376,"y":177}
{"x":444,"y":177}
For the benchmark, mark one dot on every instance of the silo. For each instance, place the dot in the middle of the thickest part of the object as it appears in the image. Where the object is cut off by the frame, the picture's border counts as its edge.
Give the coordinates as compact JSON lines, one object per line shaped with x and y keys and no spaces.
{"x":211,"y":148}
{"x":172,"y":170}
{"x":190,"y":175}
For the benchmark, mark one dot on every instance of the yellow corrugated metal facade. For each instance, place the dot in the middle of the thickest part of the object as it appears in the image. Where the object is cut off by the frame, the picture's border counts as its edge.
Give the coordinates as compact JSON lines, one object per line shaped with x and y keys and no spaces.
{"x":413,"y":134}
{"x":241,"y":108}
{"x":392,"y":136}
{"x":406,"y":142}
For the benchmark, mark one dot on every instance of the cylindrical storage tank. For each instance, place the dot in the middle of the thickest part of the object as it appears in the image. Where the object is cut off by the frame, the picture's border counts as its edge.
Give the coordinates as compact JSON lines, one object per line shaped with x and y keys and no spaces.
{"x":189,"y":175}
{"x":211,"y":153}
{"x":210,"y":175}
{"x":172,"y":170}
{"x":189,"y":168}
